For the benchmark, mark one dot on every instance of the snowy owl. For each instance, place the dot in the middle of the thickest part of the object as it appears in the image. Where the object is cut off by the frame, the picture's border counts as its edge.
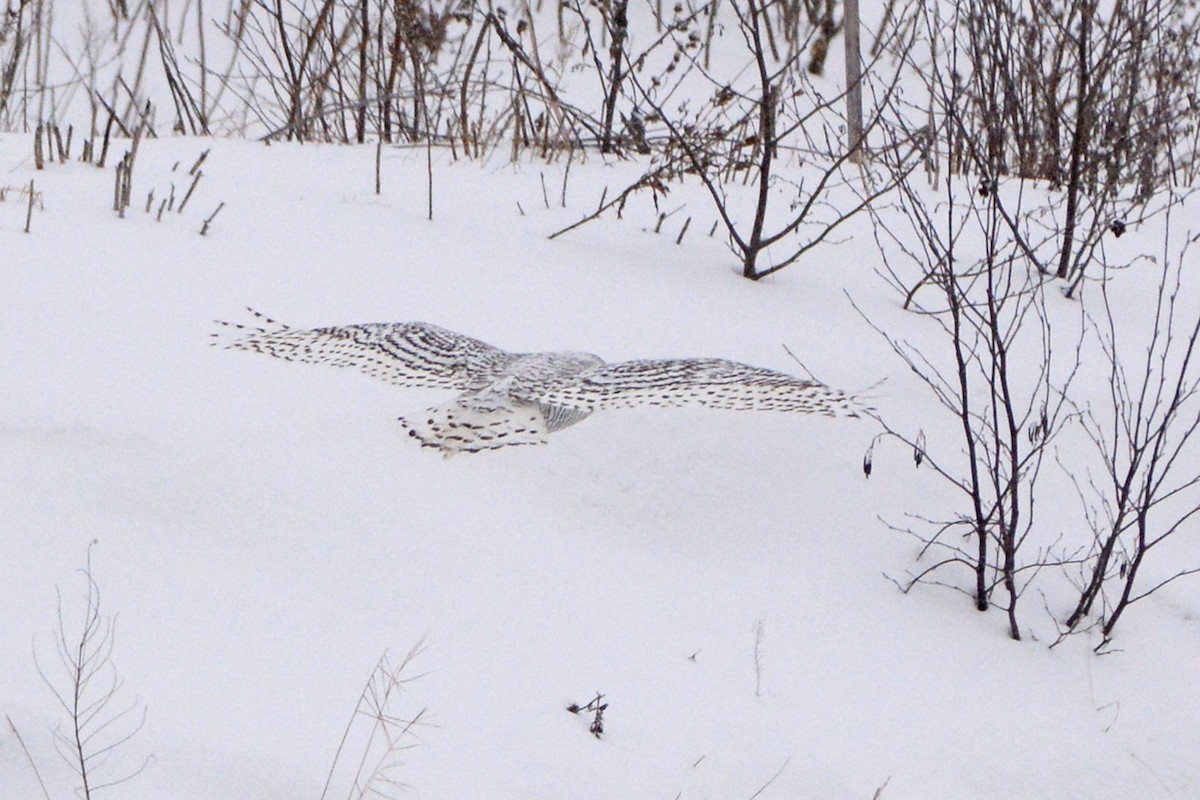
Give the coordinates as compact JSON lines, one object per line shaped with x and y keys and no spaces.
{"x":511,"y":399}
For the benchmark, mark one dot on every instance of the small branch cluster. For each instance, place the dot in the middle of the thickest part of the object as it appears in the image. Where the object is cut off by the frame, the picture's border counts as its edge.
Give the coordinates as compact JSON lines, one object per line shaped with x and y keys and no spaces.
{"x":748,"y":129}
{"x":379,"y":731}
{"x":596,"y":706}
{"x":1147,"y":487}
{"x":86,"y":687}
{"x":1003,"y":384}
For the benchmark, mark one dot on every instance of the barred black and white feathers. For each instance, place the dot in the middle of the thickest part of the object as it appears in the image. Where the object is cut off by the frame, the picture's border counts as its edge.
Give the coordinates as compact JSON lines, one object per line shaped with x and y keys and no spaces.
{"x":511,"y":399}
{"x":412,"y":354}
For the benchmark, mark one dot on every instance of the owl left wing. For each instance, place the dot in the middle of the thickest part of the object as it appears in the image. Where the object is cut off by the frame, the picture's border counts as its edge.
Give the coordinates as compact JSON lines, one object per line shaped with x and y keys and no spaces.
{"x":711,"y":382}
{"x":414,"y":354}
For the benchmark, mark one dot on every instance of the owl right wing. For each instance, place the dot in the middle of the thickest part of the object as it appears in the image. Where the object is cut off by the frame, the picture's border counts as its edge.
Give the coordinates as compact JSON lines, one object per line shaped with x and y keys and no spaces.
{"x":414,"y":354}
{"x":711,"y":382}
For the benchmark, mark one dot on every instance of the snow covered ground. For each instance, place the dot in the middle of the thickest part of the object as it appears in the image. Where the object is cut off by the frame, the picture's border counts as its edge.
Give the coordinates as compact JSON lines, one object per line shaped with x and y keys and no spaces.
{"x":266,"y":532}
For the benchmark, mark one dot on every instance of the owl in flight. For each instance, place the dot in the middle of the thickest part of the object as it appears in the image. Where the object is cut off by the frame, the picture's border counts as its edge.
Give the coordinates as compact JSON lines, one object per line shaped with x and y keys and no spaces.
{"x":508,"y":399}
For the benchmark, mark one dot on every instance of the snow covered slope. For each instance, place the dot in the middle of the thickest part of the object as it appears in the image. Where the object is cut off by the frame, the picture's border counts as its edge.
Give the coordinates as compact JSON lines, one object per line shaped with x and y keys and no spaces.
{"x":266,"y":531}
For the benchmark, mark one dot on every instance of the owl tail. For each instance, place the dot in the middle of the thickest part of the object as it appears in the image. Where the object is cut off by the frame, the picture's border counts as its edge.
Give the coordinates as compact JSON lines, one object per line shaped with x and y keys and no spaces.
{"x":478,"y":422}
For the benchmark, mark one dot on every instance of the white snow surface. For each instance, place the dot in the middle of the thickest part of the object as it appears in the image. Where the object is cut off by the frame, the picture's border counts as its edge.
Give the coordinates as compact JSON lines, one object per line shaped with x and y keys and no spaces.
{"x":266,"y":531}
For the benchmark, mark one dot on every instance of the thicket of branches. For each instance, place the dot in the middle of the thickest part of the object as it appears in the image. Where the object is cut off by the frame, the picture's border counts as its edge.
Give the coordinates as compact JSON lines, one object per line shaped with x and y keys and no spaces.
{"x":1047,"y":140}
{"x":1080,"y":94}
{"x":1097,"y":101}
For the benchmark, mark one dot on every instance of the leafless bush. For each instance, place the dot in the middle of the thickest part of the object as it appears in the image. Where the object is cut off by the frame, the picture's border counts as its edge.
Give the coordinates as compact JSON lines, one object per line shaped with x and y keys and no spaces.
{"x":87,"y":686}
{"x":531,"y":109}
{"x":21,"y":38}
{"x":1080,"y":92}
{"x":1096,"y":99}
{"x":343,"y":70}
{"x":744,"y":130}
{"x":380,"y":732}
{"x":1001,"y":379}
{"x":978,"y":253}
{"x":191,"y":112}
{"x":1146,"y":488}
{"x":1009,"y":385}
{"x":338,"y":70}
{"x":440,"y":72}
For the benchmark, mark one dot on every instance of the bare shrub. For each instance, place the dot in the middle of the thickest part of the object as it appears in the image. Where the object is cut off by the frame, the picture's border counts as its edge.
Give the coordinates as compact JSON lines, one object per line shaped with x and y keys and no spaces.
{"x":1146,"y":486}
{"x":380,"y":732}
{"x":87,"y":686}
{"x":1039,"y":178}
{"x":1096,"y":99}
{"x":1002,"y":381}
{"x":745,"y":130}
